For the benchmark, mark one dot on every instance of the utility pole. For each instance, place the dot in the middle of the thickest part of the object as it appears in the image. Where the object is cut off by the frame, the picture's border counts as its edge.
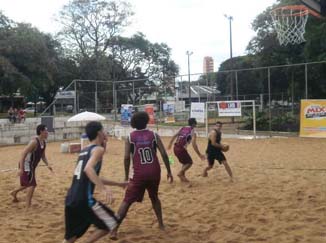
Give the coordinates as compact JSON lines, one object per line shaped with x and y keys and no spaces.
{"x":189,"y":53}
{"x":230,"y":18}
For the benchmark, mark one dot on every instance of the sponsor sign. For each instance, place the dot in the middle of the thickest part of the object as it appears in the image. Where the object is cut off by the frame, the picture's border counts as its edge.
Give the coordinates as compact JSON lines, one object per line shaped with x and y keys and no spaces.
{"x":126,"y":113}
{"x":168,"y":111}
{"x":149,"y":108}
{"x":313,"y":118}
{"x":229,"y":108}
{"x":198,"y":111}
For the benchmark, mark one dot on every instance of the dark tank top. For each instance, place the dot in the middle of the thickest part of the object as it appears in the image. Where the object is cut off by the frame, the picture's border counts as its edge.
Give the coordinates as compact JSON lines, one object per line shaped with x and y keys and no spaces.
{"x":32,"y":159}
{"x":210,"y":147}
{"x":82,"y":188}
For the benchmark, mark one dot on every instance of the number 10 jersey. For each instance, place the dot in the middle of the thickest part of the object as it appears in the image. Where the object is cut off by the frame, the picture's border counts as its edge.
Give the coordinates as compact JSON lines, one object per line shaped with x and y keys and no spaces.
{"x":143,"y":149}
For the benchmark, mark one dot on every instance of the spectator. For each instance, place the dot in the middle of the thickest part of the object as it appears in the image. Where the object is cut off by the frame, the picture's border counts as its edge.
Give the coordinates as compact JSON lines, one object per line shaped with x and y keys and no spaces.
{"x":21,"y":115}
{"x":11,"y":114}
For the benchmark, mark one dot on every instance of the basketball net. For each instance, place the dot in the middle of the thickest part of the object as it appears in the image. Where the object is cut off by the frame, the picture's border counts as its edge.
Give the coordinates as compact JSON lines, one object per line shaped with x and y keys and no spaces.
{"x":290,"y":22}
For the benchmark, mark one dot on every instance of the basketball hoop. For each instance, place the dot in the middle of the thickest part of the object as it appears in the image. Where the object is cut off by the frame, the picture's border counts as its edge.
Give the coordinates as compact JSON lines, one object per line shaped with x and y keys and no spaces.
{"x":290,"y":22}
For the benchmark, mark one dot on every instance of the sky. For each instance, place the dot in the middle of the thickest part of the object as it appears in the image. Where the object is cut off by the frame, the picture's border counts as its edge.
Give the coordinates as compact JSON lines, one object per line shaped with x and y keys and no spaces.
{"x":198,"y":26}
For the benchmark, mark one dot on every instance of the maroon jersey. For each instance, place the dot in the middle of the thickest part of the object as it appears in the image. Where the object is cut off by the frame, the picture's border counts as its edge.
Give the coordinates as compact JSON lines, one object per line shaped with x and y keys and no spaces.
{"x":143,"y":148}
{"x":30,"y":163}
{"x":184,"y":136}
{"x":32,"y":159}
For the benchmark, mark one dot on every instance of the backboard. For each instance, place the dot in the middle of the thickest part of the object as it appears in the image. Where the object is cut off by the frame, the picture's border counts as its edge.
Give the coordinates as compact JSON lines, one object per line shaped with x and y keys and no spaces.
{"x":316,"y":5}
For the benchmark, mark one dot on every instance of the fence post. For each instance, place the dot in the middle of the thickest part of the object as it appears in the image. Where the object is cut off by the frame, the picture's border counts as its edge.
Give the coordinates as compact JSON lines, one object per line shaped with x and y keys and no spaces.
{"x":95,"y":96}
{"x":236,"y":85}
{"x":306,"y":80}
{"x":269,"y":102}
{"x":133,"y":92}
{"x":75,"y":98}
{"x":254,"y":117}
{"x":114,"y":102}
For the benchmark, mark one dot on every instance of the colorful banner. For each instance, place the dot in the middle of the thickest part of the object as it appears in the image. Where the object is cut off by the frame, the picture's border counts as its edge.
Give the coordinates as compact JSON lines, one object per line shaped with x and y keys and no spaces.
{"x":168,"y":111}
{"x":313,"y":118}
{"x":198,"y":111}
{"x":126,"y":113}
{"x":229,"y":108}
{"x":149,"y":108}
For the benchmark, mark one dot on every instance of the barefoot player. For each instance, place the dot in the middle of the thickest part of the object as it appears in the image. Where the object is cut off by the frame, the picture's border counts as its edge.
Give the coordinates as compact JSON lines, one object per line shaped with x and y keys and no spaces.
{"x":214,"y":150}
{"x":31,"y":156}
{"x":141,"y":146}
{"x":185,"y":136}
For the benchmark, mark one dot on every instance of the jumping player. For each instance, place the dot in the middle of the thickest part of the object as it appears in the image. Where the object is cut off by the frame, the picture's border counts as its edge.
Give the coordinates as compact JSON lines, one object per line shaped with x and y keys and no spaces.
{"x":31,"y":156}
{"x":141,"y":145}
{"x":214,"y":150}
{"x":185,"y":135}
{"x":81,"y":208}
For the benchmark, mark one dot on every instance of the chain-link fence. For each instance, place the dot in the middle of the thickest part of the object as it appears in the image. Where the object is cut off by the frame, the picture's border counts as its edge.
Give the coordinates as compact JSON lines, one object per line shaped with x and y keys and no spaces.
{"x":277,"y":91}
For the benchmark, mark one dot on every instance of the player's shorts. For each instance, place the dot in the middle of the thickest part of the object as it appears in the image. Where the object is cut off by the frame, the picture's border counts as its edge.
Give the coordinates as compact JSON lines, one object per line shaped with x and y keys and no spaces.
{"x":217,"y":155}
{"x":136,"y":190}
{"x":182,"y":154}
{"x":79,"y":218}
{"x":28,"y":178}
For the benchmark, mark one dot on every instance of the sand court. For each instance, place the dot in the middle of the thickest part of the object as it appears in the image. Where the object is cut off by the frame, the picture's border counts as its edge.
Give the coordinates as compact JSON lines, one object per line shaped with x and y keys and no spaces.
{"x":279,"y":195}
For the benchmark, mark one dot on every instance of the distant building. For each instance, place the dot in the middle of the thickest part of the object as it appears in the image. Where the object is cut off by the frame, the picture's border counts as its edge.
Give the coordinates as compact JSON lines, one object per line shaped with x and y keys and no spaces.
{"x":199,"y":93}
{"x":208,"y":66}
{"x":65,"y":101}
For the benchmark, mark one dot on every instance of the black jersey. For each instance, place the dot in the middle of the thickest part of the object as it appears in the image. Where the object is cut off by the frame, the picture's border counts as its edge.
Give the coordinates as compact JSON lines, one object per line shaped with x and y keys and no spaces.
{"x":210,"y":147}
{"x":82,"y":188}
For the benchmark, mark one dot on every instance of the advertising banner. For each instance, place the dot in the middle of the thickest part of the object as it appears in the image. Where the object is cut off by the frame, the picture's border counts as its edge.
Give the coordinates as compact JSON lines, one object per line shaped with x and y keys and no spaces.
{"x":149,"y":108}
{"x":168,"y":111}
{"x":198,"y":111}
{"x":313,"y":118}
{"x":229,"y":108}
{"x":126,"y":113}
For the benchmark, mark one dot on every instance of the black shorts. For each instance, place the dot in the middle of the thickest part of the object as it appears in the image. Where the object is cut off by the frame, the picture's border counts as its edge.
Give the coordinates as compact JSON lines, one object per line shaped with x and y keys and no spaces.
{"x":79,"y":218}
{"x":216,"y":155}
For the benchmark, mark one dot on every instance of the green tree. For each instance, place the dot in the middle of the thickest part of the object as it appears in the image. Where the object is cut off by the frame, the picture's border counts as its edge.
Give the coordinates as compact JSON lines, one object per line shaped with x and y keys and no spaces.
{"x":89,"y":25}
{"x":32,"y":62}
{"x":141,"y":59}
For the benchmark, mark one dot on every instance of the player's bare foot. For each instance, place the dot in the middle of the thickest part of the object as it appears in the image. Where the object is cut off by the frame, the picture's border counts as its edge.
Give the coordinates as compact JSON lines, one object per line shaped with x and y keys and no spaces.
{"x":183,"y":178}
{"x":113,"y":237}
{"x":186,"y":180}
{"x":162,"y":227}
{"x":14,"y":195}
{"x":114,"y":234}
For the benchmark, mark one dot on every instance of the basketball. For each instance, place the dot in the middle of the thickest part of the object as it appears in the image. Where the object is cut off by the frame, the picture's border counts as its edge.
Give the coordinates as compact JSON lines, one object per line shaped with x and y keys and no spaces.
{"x":225,"y":147}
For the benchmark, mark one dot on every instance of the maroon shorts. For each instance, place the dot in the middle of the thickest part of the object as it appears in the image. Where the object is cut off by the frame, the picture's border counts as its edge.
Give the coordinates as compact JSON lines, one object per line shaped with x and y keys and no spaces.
{"x":182,"y":155}
{"x":136,"y":190}
{"x":28,"y":179}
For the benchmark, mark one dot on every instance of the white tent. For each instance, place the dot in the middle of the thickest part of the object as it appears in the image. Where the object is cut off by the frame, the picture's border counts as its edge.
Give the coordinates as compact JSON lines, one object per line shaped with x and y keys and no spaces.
{"x":86,"y":116}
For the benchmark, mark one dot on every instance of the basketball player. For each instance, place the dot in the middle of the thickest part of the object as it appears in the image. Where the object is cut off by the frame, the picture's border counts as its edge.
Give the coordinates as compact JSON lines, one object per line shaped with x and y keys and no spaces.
{"x":141,"y":145}
{"x":214,"y":150}
{"x":31,"y":156}
{"x":81,"y":208}
{"x":185,"y":136}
